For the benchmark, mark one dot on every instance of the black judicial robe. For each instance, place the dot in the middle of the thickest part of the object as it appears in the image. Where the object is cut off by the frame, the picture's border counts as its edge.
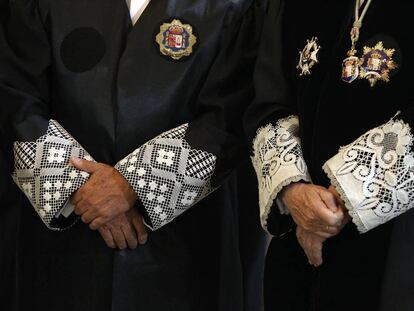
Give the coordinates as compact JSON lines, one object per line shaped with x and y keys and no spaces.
{"x":106,"y":82}
{"x":9,"y":211}
{"x":370,"y":271}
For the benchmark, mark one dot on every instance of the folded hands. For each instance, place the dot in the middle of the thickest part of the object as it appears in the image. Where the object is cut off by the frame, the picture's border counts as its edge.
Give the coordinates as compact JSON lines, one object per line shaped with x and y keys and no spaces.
{"x":319,"y":214}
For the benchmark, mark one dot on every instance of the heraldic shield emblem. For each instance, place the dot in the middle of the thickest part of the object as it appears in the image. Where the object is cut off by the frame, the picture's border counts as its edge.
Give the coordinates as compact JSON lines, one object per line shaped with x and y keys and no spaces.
{"x":350,"y":69}
{"x":376,"y":64}
{"x":176,"y":40}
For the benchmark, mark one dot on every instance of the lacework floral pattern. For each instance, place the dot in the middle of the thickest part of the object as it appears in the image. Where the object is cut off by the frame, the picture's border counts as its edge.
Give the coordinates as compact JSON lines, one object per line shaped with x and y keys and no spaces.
{"x":375,"y":174}
{"x":278,"y":161}
{"x":168,"y":175}
{"x":42,"y":171}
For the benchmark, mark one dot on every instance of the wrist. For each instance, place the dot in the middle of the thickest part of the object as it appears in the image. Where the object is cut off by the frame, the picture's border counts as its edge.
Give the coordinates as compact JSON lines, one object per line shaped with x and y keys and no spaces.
{"x":289,"y":188}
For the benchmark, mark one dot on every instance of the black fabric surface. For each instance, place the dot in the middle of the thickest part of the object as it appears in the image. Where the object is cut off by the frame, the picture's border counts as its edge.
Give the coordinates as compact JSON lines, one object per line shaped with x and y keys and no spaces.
{"x":360,"y":272}
{"x":112,"y":104}
{"x":9,"y":211}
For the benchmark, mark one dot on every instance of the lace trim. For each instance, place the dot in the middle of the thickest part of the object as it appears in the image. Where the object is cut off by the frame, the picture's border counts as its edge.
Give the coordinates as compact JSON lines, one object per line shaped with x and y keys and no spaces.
{"x":42,"y":171}
{"x":375,"y":174}
{"x":278,"y":161}
{"x":168,"y":175}
{"x":266,"y":209}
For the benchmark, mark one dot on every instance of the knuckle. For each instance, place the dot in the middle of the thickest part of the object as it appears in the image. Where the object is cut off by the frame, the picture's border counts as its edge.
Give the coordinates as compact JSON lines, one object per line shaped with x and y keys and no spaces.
{"x":333,"y":222}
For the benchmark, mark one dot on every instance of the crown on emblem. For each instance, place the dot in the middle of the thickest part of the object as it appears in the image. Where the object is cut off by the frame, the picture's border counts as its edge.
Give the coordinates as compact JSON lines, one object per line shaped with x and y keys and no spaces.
{"x":176,"y":30}
{"x":376,"y":55}
{"x":176,"y":40}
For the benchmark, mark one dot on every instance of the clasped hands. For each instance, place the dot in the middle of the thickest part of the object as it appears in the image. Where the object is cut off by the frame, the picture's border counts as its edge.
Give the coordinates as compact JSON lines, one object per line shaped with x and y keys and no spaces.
{"x":319,"y":214}
{"x":105,"y":202}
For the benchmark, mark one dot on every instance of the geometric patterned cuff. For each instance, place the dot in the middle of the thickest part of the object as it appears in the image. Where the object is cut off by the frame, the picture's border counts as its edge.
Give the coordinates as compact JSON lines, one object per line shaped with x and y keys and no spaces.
{"x":168,"y":175}
{"x":278,"y":161}
{"x":375,"y":175}
{"x":42,"y":171}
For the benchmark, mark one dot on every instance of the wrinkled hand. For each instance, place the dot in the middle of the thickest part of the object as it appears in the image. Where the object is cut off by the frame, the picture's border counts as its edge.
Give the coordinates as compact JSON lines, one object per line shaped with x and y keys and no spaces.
{"x":313,"y":208}
{"x":341,"y":204}
{"x":105,"y":196}
{"x":126,"y":230}
{"x":312,"y":245}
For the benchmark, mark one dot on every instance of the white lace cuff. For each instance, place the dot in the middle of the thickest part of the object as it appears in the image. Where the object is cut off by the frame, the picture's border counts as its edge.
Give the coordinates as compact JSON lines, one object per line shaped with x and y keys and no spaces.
{"x":278,"y":161}
{"x":42,"y":171}
{"x":168,"y":175}
{"x":375,"y":175}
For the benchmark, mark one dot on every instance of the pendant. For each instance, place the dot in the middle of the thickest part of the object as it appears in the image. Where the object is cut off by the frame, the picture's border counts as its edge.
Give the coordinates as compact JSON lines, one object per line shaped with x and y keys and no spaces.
{"x":350,"y":69}
{"x":350,"y":65}
{"x":176,"y":40}
{"x":376,"y":64}
{"x":308,"y":56}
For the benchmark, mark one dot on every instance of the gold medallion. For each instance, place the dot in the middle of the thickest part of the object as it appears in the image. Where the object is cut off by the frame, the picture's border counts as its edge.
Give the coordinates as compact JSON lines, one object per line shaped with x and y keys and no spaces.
{"x":376,"y":64}
{"x":176,"y":39}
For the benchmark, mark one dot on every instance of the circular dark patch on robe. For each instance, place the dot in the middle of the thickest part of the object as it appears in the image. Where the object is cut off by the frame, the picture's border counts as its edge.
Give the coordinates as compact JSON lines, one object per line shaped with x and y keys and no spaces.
{"x":82,"y":49}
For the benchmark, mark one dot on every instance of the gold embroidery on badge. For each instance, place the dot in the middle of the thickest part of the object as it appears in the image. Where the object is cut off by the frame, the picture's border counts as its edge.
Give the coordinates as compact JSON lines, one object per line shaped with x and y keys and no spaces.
{"x":176,"y":39}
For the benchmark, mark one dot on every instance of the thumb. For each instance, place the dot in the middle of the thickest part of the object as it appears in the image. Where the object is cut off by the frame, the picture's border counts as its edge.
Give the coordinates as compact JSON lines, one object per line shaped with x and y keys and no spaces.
{"x":330,"y":200}
{"x":84,"y":165}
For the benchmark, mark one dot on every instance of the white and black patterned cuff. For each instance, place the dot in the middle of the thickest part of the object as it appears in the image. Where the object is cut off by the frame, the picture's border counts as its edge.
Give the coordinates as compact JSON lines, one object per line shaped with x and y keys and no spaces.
{"x":375,"y":175}
{"x":168,"y":175}
{"x":43,"y":172}
{"x":278,"y":162}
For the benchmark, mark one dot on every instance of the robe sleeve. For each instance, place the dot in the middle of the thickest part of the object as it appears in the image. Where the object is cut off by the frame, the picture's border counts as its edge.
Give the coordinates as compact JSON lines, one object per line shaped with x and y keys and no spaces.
{"x":180,"y":167}
{"x":277,"y":155}
{"x":375,"y":173}
{"x":42,"y":147}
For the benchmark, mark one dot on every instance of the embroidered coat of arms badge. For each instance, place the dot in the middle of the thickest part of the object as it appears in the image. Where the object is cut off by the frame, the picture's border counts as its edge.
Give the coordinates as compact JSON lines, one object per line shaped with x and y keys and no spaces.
{"x":176,"y":39}
{"x":376,"y":64}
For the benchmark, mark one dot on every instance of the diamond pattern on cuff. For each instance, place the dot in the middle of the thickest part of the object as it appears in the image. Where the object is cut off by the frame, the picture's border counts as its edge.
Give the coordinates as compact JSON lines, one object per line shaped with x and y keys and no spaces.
{"x":168,"y":175}
{"x":44,"y":174}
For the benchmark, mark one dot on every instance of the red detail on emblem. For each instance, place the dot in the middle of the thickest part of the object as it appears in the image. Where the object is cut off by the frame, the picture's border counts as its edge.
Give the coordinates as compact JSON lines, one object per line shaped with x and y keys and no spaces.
{"x":175,"y":37}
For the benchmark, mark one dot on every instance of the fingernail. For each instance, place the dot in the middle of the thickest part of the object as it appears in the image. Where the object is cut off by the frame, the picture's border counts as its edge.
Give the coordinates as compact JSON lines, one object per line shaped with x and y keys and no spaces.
{"x":143,"y":240}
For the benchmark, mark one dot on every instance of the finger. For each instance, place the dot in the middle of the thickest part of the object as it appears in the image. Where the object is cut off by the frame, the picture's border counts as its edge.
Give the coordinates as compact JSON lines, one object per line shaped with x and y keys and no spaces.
{"x":307,"y":249}
{"x":130,"y":236}
{"x":80,"y":208}
{"x":316,"y":253}
{"x":89,"y":216}
{"x":119,"y":238}
{"x":97,"y":223}
{"x":326,"y":230}
{"x":76,"y":197}
{"x":326,"y":216}
{"x":108,"y":238}
{"x":84,"y":165}
{"x":140,"y":229}
{"x":329,"y":199}
{"x":325,"y":235}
